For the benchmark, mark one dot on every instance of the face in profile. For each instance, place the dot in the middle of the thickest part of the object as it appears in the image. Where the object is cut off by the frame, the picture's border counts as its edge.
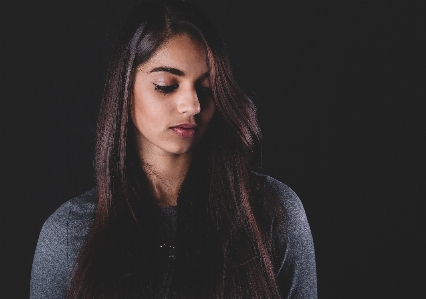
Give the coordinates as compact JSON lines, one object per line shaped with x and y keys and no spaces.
{"x":172,"y":101}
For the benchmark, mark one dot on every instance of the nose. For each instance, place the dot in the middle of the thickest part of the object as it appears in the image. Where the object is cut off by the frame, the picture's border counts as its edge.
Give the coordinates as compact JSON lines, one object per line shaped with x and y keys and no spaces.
{"x":189,"y":102}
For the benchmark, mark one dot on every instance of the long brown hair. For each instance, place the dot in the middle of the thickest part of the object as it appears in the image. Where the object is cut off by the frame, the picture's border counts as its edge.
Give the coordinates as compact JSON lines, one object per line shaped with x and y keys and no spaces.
{"x":222,"y":243}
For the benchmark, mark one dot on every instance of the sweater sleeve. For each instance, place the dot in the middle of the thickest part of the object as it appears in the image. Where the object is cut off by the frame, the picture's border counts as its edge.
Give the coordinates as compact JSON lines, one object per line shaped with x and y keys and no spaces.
{"x":295,"y":254}
{"x":50,"y":268}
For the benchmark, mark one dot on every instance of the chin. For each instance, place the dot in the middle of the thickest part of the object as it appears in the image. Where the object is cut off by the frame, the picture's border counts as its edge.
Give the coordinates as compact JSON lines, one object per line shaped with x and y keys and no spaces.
{"x":182,"y":152}
{"x":179,"y":150}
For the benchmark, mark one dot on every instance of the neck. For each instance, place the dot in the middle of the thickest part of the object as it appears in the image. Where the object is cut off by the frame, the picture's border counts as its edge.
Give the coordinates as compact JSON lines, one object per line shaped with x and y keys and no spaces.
{"x":165,"y":173}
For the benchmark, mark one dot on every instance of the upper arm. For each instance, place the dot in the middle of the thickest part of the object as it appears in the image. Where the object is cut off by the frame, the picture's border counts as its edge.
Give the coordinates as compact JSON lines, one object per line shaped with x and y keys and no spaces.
{"x":50,"y":268}
{"x":294,"y":248}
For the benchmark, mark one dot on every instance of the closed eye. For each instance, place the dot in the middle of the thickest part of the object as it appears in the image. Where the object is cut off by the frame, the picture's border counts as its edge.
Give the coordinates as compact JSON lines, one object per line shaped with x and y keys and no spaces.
{"x":166,"y":88}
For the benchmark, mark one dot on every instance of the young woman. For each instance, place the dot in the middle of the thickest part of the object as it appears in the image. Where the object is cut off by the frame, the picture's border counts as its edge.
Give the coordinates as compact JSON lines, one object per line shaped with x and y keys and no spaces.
{"x":178,"y":211}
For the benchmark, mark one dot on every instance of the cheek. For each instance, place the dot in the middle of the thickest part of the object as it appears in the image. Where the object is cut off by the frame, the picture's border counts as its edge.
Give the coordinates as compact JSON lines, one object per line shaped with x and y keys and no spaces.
{"x":148,"y":108}
{"x":145,"y":115}
{"x":208,"y":112}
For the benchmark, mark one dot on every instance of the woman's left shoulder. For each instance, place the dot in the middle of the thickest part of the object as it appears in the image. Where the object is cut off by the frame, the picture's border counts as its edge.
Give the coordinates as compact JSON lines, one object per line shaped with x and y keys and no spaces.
{"x":283,"y":193}
{"x":292,"y":221}
{"x":294,"y":256}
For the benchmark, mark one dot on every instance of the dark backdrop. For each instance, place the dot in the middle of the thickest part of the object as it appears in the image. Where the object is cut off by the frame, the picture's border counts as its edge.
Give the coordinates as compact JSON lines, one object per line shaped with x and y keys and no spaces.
{"x":339,"y":88}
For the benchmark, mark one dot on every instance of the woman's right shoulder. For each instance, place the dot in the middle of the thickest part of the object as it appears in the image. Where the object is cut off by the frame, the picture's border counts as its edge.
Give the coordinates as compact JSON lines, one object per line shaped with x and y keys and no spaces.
{"x":60,"y":240}
{"x":79,"y":208}
{"x":71,"y":222}
{"x":82,"y":207}
{"x":73,"y":218}
{"x":66,"y":229}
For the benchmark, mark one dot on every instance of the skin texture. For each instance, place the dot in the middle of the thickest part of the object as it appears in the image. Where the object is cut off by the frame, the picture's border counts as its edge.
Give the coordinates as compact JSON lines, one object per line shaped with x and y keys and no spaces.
{"x":172,"y":88}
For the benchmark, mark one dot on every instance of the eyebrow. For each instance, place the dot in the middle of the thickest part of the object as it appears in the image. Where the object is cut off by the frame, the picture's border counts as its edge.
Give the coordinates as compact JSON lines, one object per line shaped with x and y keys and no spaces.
{"x":174,"y":71}
{"x":167,"y":69}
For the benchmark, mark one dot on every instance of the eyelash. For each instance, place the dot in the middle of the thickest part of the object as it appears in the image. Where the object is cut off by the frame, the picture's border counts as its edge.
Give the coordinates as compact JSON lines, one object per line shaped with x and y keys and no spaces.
{"x":171,"y":88}
{"x":166,"y":88}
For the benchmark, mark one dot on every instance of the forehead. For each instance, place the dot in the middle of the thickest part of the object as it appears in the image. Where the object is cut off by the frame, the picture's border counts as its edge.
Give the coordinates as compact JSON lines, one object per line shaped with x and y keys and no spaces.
{"x":181,"y":52}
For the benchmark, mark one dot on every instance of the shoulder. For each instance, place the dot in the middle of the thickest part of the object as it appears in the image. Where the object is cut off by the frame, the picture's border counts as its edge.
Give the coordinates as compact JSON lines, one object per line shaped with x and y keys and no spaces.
{"x":290,"y":202}
{"x":59,"y":242}
{"x":71,"y":223}
{"x":294,"y":254}
{"x":292,"y":225}
{"x":78,"y":209}
{"x":293,"y":219}
{"x":81,"y":208}
{"x":276,"y":187}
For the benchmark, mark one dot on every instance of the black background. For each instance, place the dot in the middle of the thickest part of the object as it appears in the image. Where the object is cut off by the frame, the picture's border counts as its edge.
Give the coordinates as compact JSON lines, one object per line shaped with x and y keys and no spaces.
{"x":340,"y":88}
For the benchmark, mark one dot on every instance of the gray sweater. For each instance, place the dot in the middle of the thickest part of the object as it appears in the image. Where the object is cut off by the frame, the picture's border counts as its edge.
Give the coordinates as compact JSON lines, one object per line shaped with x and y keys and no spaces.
{"x":64,"y":232}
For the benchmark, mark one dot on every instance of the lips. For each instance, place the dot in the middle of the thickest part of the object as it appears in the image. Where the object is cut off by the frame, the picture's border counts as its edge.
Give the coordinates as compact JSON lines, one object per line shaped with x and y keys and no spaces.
{"x":185,"y":130}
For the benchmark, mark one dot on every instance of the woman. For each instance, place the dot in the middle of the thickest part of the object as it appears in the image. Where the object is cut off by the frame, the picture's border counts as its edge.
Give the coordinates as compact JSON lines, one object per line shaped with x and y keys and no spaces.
{"x":178,"y":211}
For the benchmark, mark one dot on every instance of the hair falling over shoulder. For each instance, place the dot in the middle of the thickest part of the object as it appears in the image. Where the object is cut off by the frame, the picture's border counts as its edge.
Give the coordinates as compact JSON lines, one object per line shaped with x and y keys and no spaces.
{"x":222,"y":243}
